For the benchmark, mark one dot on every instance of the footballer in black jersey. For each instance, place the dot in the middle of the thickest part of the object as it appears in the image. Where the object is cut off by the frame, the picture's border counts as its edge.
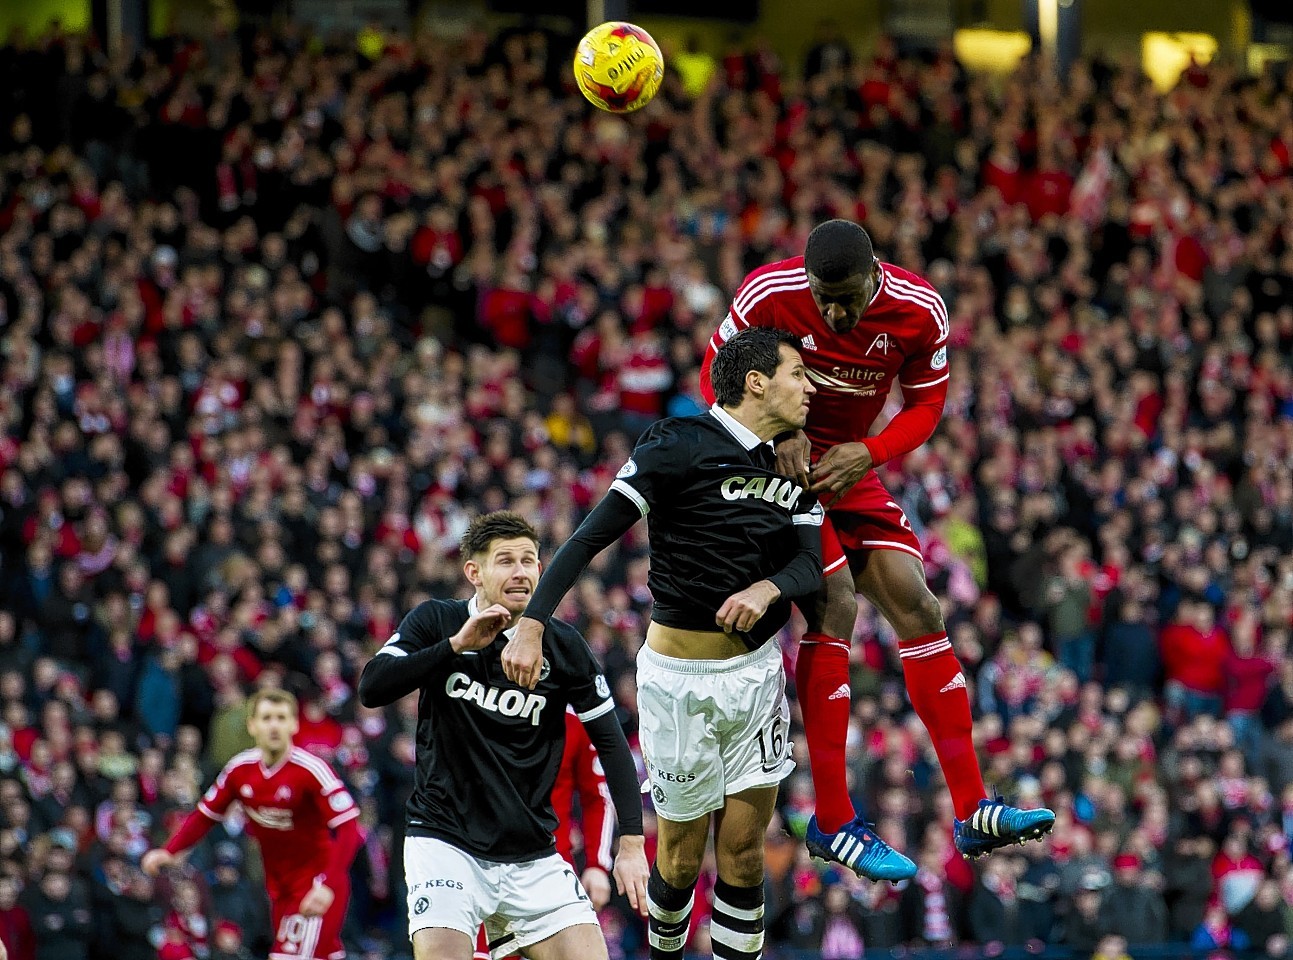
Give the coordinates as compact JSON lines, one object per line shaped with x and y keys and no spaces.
{"x":720,"y":519}
{"x":488,"y":752}
{"x":732,"y":544}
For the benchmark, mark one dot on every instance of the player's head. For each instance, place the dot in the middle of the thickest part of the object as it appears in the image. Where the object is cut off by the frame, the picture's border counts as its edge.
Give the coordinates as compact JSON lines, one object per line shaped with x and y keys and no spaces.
{"x":843,"y":272}
{"x":763,"y":365}
{"x":272,"y":719}
{"x":500,"y":552}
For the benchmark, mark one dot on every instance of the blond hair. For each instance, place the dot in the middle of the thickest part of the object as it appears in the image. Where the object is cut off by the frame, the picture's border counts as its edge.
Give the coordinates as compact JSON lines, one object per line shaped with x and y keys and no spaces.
{"x":272,"y":696}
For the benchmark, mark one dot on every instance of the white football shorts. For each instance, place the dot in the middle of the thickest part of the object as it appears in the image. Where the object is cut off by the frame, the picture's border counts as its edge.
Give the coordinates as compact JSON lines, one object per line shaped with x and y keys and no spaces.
{"x":519,"y":903}
{"x":711,"y":728}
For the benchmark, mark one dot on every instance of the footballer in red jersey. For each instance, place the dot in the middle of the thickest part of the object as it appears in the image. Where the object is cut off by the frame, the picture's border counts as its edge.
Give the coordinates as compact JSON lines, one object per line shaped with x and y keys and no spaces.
{"x":304,"y":819}
{"x":867,"y":327}
{"x":580,"y":773}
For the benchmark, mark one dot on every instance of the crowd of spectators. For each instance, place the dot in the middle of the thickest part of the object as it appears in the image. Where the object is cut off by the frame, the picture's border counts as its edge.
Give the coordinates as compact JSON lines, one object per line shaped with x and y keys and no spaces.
{"x":277,"y":316}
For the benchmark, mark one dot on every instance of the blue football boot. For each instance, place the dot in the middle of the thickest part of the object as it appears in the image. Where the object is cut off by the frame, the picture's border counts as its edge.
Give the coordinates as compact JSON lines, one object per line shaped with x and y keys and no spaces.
{"x":857,"y":846}
{"x":997,"y":824}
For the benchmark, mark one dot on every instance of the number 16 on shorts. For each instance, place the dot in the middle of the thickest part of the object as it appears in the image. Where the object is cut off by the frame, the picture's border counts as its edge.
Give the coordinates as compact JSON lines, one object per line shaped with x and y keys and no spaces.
{"x":772,"y":744}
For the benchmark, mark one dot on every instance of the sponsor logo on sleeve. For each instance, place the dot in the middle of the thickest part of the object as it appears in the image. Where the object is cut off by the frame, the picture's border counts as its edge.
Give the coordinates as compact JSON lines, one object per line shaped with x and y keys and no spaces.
{"x":626,"y":471}
{"x":602,"y":687}
{"x":727,"y":330}
{"x":939,"y":360}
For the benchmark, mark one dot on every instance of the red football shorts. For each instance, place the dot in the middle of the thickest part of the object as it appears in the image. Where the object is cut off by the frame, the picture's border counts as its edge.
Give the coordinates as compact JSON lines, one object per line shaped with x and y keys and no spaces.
{"x":867,"y":518}
{"x":308,"y":938}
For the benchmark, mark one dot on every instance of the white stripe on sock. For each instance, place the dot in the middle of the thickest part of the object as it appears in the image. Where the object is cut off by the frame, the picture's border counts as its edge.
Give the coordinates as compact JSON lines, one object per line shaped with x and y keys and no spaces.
{"x":670,"y":916}
{"x":737,"y":913}
{"x":745,"y":942}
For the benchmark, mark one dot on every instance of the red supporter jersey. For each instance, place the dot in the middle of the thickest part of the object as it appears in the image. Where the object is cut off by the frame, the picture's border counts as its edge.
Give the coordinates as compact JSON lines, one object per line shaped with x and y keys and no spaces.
{"x":581,"y":772}
{"x":901,"y":339}
{"x":291,"y":811}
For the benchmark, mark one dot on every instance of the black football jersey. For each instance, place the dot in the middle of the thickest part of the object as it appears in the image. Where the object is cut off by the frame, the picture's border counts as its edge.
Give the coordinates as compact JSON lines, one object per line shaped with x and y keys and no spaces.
{"x":488,"y":750}
{"x":719,"y":517}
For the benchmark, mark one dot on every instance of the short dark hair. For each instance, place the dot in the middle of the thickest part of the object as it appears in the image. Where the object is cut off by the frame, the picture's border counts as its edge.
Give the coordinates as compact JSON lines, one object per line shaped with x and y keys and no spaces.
{"x":837,"y":250}
{"x":758,"y":348}
{"x":488,"y":527}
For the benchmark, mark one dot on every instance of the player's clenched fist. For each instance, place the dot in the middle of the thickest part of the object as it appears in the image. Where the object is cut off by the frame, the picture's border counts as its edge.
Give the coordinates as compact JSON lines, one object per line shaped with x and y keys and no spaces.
{"x":523,"y":656}
{"x":741,"y":611}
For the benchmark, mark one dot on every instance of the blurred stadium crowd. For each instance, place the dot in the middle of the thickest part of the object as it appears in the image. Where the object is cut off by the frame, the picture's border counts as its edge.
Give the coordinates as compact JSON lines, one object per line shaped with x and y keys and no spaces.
{"x":277,"y":317}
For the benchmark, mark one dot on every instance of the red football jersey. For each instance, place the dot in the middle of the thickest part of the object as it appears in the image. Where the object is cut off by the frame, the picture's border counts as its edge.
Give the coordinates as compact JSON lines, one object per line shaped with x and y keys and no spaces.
{"x":901,"y":339}
{"x":581,"y":771}
{"x":290,"y":809}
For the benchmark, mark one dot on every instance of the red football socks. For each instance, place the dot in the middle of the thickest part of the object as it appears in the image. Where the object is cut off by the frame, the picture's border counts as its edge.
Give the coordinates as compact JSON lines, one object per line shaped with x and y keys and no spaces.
{"x":822,"y":683}
{"x":936,"y":685}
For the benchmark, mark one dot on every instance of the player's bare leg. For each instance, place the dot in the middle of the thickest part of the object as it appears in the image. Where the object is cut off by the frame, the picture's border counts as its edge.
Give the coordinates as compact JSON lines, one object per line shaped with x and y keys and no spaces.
{"x":894,"y":581}
{"x":441,"y":943}
{"x":836,"y":611}
{"x":583,"y":940}
{"x":739,"y":831}
{"x":671,"y":889}
{"x":680,"y":849}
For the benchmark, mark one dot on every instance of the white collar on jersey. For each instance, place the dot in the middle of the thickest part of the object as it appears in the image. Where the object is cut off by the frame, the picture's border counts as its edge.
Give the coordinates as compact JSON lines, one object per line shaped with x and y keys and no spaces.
{"x":473,"y":608}
{"x":879,"y":286}
{"x":748,"y":438}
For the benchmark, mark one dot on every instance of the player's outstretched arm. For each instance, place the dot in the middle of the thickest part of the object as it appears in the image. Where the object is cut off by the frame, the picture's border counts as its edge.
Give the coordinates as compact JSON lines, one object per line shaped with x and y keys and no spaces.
{"x":631,"y":869}
{"x":194,"y":828}
{"x":157,"y":860}
{"x":613,"y":517}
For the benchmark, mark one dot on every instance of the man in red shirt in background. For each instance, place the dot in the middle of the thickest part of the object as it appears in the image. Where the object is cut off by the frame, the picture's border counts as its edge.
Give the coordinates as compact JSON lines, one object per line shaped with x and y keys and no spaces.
{"x":1194,"y":651}
{"x":580,"y":772}
{"x":304,"y":819}
{"x":866,"y":326}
